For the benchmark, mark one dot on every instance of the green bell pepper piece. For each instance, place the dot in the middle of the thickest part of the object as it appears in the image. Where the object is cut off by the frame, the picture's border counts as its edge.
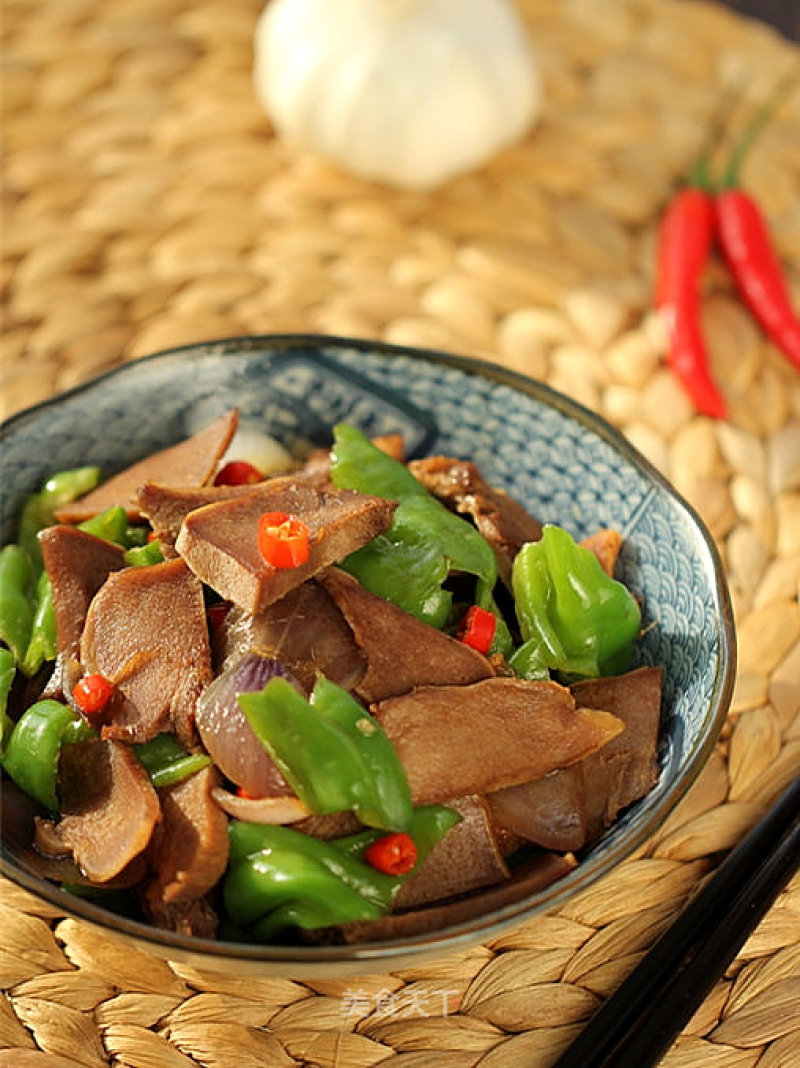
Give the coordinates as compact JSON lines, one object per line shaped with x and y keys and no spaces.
{"x":279,"y":877}
{"x":144,"y":555}
{"x":334,"y":755}
{"x":8,"y":671}
{"x":294,"y":886}
{"x":425,"y":542}
{"x":16,"y":609}
{"x":32,"y":751}
{"x":38,"y":509}
{"x":136,"y":536}
{"x":574,"y":618}
{"x":110,"y":525}
{"x":42,"y":644}
{"x":167,"y":762}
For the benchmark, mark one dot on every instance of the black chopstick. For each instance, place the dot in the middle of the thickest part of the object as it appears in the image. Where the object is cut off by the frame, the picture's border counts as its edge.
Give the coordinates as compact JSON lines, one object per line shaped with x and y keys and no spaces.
{"x":639,"y":1022}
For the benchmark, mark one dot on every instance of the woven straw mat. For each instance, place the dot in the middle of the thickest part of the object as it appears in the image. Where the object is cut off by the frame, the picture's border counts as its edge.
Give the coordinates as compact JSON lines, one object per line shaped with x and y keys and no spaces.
{"x":149,"y":205}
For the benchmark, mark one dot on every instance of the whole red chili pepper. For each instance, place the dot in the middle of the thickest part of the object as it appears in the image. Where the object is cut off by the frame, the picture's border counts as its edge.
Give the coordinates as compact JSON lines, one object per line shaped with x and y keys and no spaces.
{"x":685,"y":241}
{"x":747,"y":245}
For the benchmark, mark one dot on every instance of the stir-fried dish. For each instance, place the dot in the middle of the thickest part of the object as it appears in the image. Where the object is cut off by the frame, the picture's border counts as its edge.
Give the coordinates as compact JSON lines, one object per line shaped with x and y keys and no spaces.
{"x":358,"y":699}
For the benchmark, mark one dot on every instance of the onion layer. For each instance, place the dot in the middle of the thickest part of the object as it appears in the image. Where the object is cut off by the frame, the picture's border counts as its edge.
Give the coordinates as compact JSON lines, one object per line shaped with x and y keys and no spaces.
{"x":261,"y":809}
{"x":228,"y":736}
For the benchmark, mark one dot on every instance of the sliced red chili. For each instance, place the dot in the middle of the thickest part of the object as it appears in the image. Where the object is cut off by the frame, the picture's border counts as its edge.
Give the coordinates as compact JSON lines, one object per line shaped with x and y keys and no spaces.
{"x":92,"y":693}
{"x":477,"y":629}
{"x":283,"y":539}
{"x":394,"y":854}
{"x":238,"y":473}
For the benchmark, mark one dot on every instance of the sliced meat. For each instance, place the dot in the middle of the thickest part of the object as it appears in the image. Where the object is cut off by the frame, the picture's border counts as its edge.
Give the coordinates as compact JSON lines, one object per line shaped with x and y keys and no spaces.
{"x":331,"y":825}
{"x":166,"y":507}
{"x":220,"y":541}
{"x":191,"y":462}
{"x":189,"y":849}
{"x":505,"y":524}
{"x":195,"y":918}
{"x":605,"y":544}
{"x":537,"y":874}
{"x":401,"y":652}
{"x":458,"y":740}
{"x":304,"y":630}
{"x":570,"y":808}
{"x":77,"y":564}
{"x":551,"y":812}
{"x":467,"y":858}
{"x":628,"y":768}
{"x":146,"y":632}
{"x":109,"y":809}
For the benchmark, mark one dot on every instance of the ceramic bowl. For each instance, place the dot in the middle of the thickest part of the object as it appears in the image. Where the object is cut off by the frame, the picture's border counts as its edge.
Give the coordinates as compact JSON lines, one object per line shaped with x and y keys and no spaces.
{"x":563,"y":462}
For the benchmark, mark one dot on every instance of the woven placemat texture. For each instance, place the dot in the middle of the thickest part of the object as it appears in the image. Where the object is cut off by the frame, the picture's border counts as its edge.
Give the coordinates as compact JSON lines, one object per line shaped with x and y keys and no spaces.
{"x":149,"y":204}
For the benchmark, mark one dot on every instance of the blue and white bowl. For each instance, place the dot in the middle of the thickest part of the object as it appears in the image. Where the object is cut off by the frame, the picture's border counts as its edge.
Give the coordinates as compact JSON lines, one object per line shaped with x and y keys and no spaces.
{"x":564,"y":463}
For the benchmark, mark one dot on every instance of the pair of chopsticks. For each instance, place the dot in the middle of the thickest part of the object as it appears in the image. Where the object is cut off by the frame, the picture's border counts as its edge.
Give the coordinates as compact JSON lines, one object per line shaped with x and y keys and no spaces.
{"x":639,"y":1022}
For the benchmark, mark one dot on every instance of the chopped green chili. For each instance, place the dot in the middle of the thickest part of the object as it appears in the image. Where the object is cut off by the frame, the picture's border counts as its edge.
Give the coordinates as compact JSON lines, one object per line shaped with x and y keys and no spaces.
{"x":574,"y":618}
{"x":425,"y":543}
{"x":167,"y":762}
{"x":38,"y":509}
{"x":16,"y":609}
{"x":32,"y":752}
{"x":331,"y":751}
{"x":279,"y":877}
{"x":8,"y":671}
{"x":42,"y":644}
{"x":144,"y":555}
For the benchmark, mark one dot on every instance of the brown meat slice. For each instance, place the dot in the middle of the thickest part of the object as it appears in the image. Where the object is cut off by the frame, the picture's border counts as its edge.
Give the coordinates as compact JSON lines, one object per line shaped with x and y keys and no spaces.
{"x":189,"y":849}
{"x":537,"y":874}
{"x":109,"y":808}
{"x":304,"y":630}
{"x":467,"y":858}
{"x":458,"y":740}
{"x":195,"y":918}
{"x":605,"y":544}
{"x":572,"y":807}
{"x":505,"y":524}
{"x":191,"y":462}
{"x":166,"y":507}
{"x":220,"y":541}
{"x":401,"y":652}
{"x":146,"y":631}
{"x":77,"y":564}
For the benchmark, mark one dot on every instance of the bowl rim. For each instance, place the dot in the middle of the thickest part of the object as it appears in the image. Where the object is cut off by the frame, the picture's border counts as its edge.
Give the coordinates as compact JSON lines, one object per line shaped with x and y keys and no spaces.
{"x":379,"y":955}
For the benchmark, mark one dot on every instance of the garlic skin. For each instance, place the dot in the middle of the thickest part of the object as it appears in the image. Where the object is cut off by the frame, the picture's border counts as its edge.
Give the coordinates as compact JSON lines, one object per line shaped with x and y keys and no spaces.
{"x":407,"y":92}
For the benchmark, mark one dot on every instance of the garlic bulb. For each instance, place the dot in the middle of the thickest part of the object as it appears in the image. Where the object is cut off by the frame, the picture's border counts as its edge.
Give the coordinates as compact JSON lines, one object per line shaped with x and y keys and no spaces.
{"x":409,"y":92}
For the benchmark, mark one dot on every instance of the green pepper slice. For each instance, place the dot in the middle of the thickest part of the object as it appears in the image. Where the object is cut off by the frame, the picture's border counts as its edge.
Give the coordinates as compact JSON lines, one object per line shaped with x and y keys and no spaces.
{"x":425,"y":542}
{"x":167,"y":762}
{"x":279,"y":877}
{"x":334,"y":755}
{"x":574,"y":618}
{"x":8,"y":671}
{"x":32,"y":751}
{"x":16,"y":610}
{"x":42,"y":644}
{"x":144,"y":555}
{"x":110,"y":525}
{"x":38,"y":509}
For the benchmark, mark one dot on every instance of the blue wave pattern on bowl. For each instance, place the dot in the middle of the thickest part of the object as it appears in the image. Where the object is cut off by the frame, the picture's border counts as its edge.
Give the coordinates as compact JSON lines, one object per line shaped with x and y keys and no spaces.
{"x":544,"y":451}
